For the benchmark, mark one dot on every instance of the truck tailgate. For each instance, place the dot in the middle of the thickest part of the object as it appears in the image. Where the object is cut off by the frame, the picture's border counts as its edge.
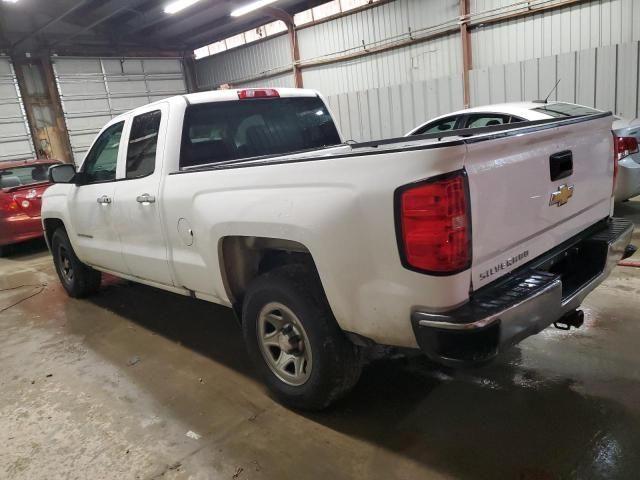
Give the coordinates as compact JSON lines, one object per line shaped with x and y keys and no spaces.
{"x":520,"y":207}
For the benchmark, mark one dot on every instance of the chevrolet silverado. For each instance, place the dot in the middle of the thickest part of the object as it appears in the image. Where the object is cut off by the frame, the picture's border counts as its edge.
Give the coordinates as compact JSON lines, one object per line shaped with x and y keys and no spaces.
{"x":457,"y":243}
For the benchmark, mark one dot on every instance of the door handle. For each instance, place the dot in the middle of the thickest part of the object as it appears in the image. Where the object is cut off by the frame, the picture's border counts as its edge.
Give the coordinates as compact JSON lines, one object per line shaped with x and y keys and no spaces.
{"x":145,"y":199}
{"x":561,"y":165}
{"x":104,"y":200}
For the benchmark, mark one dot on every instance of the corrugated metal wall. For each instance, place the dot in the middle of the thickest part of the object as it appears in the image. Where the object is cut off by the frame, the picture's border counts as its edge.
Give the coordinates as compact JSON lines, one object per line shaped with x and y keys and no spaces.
{"x":264,"y":56}
{"x":428,"y":60}
{"x":392,"y":111}
{"x":591,"y":46}
{"x":369,"y":28}
{"x":604,"y":78}
{"x":588,"y":24}
{"x":390,"y":22}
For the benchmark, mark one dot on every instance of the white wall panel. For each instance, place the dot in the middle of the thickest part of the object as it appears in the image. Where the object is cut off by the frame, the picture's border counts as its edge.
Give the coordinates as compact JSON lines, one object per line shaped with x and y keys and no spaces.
{"x":95,"y":90}
{"x":586,"y":77}
{"x":605,"y":78}
{"x":627,"y":80}
{"x":584,"y":25}
{"x":606,"y":61}
{"x":394,"y":110}
{"x":567,"y":75}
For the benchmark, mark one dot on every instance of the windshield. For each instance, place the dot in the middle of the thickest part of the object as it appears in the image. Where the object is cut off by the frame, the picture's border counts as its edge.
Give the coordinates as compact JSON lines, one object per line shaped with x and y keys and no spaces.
{"x":559,"y":110}
{"x":220,"y":131}
{"x":25,"y":175}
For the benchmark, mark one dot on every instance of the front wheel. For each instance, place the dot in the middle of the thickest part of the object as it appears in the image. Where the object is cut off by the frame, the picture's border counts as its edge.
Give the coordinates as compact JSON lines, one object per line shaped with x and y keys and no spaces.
{"x":77,"y":278}
{"x":295,"y":342}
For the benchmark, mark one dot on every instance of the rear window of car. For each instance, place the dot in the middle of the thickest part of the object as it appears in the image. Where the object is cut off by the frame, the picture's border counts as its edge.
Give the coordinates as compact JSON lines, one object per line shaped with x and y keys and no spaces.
{"x":26,"y":175}
{"x":220,"y":131}
{"x":559,"y":110}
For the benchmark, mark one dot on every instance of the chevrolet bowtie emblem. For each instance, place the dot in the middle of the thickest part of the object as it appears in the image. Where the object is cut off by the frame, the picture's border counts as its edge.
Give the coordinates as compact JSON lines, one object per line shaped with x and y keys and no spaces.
{"x":562,"y":196}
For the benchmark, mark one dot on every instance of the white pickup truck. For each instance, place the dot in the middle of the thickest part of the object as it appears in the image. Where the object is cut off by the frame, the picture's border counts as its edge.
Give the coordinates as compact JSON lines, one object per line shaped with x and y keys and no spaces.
{"x":459,"y":244}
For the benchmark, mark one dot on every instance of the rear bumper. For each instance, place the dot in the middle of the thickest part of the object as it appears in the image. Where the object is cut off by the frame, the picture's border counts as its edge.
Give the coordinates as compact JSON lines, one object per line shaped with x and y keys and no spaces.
{"x":19,"y":228}
{"x":526,"y":301}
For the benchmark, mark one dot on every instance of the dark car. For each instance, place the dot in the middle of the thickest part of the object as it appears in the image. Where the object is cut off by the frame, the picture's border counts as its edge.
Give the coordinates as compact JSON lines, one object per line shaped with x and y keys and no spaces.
{"x":22,"y":184}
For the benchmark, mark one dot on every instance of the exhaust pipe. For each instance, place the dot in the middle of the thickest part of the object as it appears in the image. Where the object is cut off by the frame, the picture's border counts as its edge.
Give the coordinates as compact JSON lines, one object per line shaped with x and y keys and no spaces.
{"x":573,"y":319}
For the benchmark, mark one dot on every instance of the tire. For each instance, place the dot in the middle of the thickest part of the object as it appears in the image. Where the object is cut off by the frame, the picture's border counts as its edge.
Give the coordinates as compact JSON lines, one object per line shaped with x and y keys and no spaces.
{"x":323,"y":364}
{"x":78,"y":279}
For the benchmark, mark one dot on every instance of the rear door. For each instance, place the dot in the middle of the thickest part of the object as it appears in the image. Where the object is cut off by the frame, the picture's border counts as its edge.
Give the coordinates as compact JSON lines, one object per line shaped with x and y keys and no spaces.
{"x":533,"y":188}
{"x":137,"y":199}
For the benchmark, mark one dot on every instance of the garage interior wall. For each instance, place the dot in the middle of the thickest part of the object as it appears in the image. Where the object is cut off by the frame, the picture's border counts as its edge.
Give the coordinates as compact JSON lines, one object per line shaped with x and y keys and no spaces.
{"x":95,"y":90}
{"x":15,"y":137}
{"x":591,"y":46}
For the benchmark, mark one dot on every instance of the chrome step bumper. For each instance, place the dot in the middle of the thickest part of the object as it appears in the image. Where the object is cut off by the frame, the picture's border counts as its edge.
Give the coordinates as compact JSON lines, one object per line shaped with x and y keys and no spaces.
{"x":526,"y":301}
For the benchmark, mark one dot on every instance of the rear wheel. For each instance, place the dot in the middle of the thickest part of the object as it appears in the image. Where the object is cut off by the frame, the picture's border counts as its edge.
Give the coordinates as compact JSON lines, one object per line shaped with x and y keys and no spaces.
{"x":77,"y":278}
{"x":295,"y":342}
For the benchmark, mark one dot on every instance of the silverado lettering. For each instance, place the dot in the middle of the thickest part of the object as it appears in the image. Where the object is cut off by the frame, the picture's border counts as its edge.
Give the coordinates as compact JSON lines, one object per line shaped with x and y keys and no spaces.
{"x":506,"y":264}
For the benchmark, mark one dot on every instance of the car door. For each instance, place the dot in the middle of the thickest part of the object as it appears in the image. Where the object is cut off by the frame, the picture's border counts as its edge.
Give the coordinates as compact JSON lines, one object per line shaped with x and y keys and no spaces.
{"x":137,"y":199}
{"x":91,"y":203}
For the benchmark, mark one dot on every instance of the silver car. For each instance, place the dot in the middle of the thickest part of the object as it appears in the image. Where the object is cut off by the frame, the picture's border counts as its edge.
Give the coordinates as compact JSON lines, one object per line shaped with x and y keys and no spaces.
{"x":628,"y":133}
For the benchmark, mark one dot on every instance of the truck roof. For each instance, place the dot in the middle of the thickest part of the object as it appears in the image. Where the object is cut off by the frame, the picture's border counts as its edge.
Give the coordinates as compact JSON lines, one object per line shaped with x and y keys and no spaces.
{"x":232,"y":94}
{"x":226,"y":96}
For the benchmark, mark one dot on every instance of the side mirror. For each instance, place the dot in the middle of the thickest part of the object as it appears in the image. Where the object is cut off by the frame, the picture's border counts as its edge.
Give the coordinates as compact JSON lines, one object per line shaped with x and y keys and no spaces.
{"x":64,"y":173}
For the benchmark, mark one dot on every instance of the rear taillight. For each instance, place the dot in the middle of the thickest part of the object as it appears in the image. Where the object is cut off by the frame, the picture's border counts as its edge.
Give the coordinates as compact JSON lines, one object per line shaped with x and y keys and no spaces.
{"x":622,"y":147}
{"x":434,"y":225}
{"x":8,"y":205}
{"x":258,"y":93}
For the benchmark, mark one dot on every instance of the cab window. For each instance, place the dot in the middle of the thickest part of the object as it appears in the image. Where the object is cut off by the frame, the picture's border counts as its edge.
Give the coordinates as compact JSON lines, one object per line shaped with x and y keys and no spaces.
{"x":480,"y":120}
{"x":102,"y":159}
{"x":439,"y":126}
{"x":143,"y":142}
{"x":223,"y":131}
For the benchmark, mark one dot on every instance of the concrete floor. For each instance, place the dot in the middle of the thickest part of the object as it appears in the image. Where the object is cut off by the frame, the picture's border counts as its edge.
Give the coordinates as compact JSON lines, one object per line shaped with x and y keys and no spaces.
{"x":141,"y":384}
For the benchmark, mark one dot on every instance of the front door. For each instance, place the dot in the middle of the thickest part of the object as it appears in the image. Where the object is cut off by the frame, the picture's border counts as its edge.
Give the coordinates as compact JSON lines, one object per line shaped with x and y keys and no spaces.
{"x":91,"y":204}
{"x":138,"y":199}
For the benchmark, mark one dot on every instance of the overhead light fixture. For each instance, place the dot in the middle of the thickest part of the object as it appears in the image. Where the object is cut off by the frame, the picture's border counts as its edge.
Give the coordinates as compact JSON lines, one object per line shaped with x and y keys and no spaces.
{"x":178,"y":5}
{"x":10,"y":1}
{"x":238,"y":12}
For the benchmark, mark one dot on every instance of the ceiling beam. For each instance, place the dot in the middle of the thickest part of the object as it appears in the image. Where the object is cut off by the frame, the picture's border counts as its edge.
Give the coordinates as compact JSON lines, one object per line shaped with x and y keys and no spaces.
{"x":157,"y":16}
{"x":51,"y":22}
{"x":113,"y":8}
{"x":192,"y":18}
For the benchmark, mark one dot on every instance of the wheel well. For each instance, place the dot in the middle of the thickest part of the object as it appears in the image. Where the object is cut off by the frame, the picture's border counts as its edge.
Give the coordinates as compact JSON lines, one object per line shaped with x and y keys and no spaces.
{"x":245,"y":258}
{"x":50,"y":226}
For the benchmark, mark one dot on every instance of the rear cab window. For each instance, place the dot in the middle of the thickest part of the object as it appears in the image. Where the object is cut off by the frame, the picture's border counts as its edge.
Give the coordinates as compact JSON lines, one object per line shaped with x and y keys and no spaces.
{"x":143,"y":143}
{"x":221,"y":131}
{"x":562,"y":110}
{"x":24,"y":175}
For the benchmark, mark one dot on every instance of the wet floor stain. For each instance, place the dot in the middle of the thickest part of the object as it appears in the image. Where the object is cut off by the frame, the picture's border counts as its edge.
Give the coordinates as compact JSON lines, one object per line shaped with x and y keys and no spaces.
{"x":112,"y":386}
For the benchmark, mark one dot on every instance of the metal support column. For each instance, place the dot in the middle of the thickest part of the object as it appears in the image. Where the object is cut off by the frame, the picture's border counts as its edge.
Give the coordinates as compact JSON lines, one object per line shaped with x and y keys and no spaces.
{"x":467,"y":62}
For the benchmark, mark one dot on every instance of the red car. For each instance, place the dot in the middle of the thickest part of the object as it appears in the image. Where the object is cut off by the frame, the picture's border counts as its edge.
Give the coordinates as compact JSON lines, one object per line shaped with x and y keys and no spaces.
{"x":21,"y":186}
